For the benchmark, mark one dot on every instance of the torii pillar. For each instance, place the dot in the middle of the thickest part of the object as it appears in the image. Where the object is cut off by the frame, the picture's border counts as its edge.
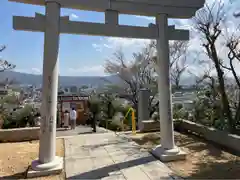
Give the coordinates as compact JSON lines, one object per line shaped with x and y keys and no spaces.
{"x":166,"y":151}
{"x":48,"y":162}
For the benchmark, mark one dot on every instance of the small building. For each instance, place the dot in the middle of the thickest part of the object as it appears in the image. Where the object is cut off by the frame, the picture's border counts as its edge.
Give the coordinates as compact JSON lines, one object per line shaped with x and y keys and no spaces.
{"x":78,"y":102}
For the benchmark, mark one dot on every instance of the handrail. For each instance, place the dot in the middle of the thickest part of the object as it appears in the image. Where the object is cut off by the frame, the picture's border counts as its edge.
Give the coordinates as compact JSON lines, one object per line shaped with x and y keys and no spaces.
{"x":133,"y":119}
{"x":128,"y":112}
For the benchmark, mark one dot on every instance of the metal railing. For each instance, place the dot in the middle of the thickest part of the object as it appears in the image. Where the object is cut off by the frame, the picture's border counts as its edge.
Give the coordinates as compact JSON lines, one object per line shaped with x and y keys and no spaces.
{"x":133,"y":119}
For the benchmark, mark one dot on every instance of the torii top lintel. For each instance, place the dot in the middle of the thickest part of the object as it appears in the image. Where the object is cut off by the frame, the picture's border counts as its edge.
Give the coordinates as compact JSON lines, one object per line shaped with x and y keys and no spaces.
{"x":173,"y":8}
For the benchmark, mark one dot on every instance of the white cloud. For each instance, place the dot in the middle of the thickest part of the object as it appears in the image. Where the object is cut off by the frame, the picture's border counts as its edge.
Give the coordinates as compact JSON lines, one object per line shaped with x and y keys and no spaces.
{"x":125,"y":42}
{"x":146,"y":18}
{"x":97,"y":47}
{"x":182,"y":23}
{"x":74,"y":16}
{"x":30,"y":70}
{"x":37,"y":70}
{"x":113,"y":44}
{"x":87,"y":70}
{"x":107,"y":46}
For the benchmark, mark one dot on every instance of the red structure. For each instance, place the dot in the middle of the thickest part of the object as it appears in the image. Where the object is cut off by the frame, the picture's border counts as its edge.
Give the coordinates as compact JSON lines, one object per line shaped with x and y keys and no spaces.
{"x":80,"y":103}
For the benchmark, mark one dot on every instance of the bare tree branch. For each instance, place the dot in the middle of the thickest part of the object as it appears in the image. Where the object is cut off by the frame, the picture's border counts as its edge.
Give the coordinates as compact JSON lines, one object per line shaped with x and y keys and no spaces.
{"x":208,"y":22}
{"x":141,"y":71}
{"x":2,"y":48}
{"x":5,"y":65}
{"x":177,"y":70}
{"x":135,"y":74}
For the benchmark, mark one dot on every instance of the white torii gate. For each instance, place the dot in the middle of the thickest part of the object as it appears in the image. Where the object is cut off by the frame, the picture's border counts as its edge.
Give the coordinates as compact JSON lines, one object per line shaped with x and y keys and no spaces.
{"x":52,"y":25}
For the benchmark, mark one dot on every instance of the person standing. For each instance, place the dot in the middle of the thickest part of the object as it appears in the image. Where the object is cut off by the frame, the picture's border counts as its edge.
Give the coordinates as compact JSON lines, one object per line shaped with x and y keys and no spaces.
{"x":92,"y":116}
{"x":66,"y":120}
{"x":73,"y":118}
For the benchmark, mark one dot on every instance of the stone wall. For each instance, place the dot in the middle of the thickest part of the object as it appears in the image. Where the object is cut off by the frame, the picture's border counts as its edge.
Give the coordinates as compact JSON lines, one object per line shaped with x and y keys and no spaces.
{"x":19,"y":134}
{"x":220,"y":137}
{"x":150,"y":125}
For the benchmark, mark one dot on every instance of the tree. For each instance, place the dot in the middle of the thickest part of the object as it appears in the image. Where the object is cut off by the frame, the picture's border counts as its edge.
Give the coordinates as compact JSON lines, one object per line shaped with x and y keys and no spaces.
{"x":177,"y":70}
{"x":233,"y":46}
{"x":134,"y":75}
{"x":10,"y":99}
{"x":5,"y":65}
{"x":178,"y":66}
{"x":178,"y":59}
{"x":141,"y":72}
{"x":2,"y":48}
{"x":209,"y":23}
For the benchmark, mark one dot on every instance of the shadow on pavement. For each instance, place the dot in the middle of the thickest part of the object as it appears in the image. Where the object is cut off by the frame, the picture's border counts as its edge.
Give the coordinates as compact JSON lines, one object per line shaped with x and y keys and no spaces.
{"x":105,"y":171}
{"x":20,"y":175}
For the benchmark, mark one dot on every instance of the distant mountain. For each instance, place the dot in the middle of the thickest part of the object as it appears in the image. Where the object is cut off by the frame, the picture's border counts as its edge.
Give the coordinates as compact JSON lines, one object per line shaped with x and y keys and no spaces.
{"x":25,"y":78}
{"x":32,"y":79}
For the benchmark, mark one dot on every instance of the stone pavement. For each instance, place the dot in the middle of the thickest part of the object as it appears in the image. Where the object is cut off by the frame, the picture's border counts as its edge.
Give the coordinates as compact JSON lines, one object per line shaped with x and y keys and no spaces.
{"x":80,"y":129}
{"x":108,"y":156}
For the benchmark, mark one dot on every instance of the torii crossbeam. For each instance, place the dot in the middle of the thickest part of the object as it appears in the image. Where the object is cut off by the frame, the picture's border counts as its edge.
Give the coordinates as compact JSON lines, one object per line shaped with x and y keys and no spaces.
{"x":38,"y":24}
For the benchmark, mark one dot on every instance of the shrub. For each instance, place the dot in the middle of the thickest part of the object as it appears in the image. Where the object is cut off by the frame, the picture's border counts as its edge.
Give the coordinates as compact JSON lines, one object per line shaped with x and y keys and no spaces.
{"x":107,"y":105}
{"x":11,"y":99}
{"x":124,"y":108}
{"x":104,"y":123}
{"x":94,"y":105}
{"x":114,"y":126}
{"x":155,"y":116}
{"x":19,"y":118}
{"x":105,"y":108}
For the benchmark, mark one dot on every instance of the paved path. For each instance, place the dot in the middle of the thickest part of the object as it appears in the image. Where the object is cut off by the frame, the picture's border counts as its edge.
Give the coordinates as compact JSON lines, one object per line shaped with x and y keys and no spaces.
{"x":78,"y":130}
{"x":107,"y":156}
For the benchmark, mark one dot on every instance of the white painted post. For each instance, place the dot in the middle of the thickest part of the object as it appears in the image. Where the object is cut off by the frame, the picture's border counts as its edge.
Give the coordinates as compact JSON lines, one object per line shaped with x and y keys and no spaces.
{"x":47,"y":147}
{"x":164,"y":85}
{"x":167,"y":150}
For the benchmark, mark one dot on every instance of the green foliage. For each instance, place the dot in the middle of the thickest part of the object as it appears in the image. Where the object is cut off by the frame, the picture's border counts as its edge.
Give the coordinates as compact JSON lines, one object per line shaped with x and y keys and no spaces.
{"x":110,"y":124}
{"x":179,"y":112}
{"x":124,"y":108}
{"x":11,"y":99}
{"x":155,"y":116}
{"x":104,"y":107}
{"x":107,"y":105}
{"x":114,"y":126}
{"x":208,"y":111}
{"x":94,"y":105}
{"x":104,"y":123}
{"x":19,"y":118}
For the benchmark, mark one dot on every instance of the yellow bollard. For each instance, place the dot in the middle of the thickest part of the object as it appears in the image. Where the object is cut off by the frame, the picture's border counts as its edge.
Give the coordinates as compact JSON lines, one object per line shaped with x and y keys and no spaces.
{"x":133,"y":123}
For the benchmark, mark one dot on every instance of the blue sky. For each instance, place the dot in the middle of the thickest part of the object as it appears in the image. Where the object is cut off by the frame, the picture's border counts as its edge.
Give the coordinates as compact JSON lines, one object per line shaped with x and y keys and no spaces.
{"x":78,"y":55}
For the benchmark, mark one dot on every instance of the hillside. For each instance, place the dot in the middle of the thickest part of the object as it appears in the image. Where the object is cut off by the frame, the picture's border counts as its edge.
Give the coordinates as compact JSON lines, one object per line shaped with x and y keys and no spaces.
{"x":25,"y":78}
